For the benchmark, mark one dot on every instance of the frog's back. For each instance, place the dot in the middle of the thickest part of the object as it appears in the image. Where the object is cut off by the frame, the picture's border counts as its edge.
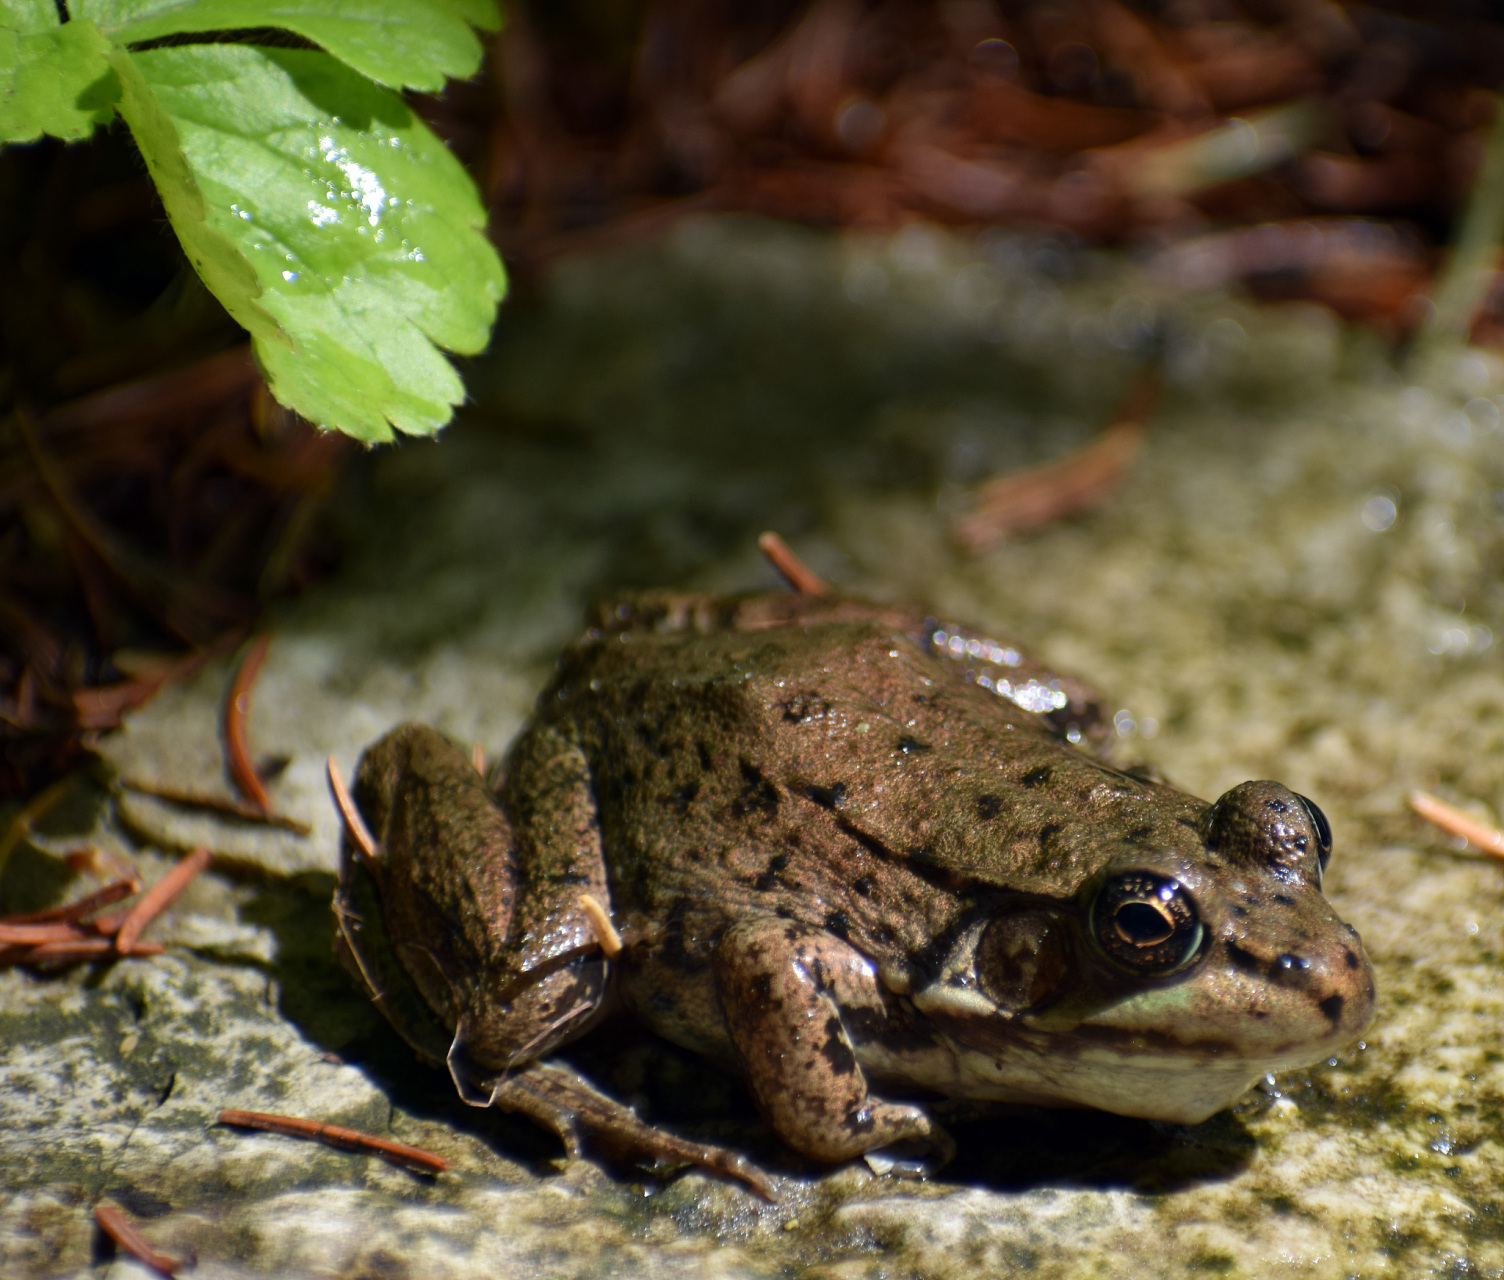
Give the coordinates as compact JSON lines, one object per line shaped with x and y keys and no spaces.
{"x":816,"y":760}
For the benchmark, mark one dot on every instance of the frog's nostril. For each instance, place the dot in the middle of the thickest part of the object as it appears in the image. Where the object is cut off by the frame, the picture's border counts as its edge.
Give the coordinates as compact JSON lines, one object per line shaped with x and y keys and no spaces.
{"x":1291,"y":970}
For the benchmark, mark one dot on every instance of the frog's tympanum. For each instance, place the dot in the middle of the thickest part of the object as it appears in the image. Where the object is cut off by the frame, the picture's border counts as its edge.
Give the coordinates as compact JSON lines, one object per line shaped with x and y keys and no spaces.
{"x":858,"y":858}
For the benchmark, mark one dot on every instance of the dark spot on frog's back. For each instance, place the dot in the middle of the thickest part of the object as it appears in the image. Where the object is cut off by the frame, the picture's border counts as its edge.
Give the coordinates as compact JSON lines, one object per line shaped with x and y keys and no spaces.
{"x":832,"y":797}
{"x":757,"y":796}
{"x":910,"y":745}
{"x":1349,"y":959}
{"x":684,"y":796}
{"x":835,"y":1051}
{"x":769,"y":878}
{"x":988,"y":807}
{"x":1331,"y":1008}
{"x":839,"y":923}
{"x":1037,"y":777}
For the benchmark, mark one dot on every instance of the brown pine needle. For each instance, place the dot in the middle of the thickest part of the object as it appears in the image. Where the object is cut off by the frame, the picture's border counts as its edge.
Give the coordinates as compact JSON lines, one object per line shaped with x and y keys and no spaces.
{"x":237,"y":717}
{"x":1037,"y":495}
{"x":794,"y":571}
{"x":67,"y":952}
{"x":478,"y":758}
{"x":31,"y":934}
{"x":113,"y":1223}
{"x":338,"y":1136}
{"x":79,"y":907}
{"x":350,"y":815}
{"x":1451,"y":819}
{"x":158,"y":898}
{"x":241,"y":809}
{"x":600,"y":922}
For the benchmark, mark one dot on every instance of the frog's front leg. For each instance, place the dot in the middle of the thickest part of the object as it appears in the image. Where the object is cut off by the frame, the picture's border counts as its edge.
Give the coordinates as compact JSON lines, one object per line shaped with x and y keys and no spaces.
{"x":783,"y":988}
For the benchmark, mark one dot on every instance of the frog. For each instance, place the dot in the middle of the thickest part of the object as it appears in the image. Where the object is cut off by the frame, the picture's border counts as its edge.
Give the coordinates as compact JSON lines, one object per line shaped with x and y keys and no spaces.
{"x":857,"y":856}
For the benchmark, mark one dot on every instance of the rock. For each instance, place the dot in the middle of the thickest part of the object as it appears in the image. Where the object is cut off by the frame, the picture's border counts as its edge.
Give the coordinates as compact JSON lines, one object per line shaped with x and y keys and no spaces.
{"x":1299,"y":578}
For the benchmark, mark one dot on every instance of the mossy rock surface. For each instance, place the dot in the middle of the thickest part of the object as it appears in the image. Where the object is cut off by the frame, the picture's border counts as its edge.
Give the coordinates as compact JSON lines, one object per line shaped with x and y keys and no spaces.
{"x":1299,"y":578}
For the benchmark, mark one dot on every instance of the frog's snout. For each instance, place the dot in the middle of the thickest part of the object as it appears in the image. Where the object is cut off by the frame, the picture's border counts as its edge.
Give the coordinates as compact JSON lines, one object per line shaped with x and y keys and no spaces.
{"x":1323,"y":982}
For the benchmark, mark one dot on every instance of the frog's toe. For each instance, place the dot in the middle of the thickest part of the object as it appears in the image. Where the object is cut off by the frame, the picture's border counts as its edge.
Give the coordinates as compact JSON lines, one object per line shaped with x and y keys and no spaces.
{"x":920,"y":1155}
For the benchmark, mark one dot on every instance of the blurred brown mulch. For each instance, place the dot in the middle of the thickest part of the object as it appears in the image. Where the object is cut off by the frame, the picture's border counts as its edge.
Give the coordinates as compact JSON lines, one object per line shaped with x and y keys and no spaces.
{"x":1356,"y":128}
{"x":153,"y":497}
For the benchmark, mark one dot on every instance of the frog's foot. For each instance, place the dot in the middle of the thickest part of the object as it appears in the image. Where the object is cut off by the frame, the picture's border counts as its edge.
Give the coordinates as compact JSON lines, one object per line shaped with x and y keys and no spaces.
{"x":561,"y":1101}
{"x":784,"y":988}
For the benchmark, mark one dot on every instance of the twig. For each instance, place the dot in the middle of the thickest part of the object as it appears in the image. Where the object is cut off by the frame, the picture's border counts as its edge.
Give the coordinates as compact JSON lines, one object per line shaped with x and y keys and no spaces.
{"x":478,"y":758}
{"x":79,"y":907}
{"x":219,"y":804}
{"x":158,"y":898}
{"x":1451,"y":819}
{"x":31,"y":934}
{"x":1236,"y":149}
{"x":1464,"y":281}
{"x":795,"y":572}
{"x":85,"y":949}
{"x":102,"y":707}
{"x":1036,"y":495}
{"x":350,"y":815}
{"x":338,"y":1136}
{"x":237,"y":717}
{"x":113,"y":1223}
{"x":600,"y":922}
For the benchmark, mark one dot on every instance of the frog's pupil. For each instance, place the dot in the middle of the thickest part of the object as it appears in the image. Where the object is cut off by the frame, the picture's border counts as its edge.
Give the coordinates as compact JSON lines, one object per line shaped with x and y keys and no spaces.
{"x":1143,"y":924}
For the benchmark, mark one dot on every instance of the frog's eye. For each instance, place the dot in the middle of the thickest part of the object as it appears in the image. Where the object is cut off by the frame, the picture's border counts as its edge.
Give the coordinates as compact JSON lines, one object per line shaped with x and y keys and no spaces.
{"x":1147,"y":923}
{"x":1323,"y":830}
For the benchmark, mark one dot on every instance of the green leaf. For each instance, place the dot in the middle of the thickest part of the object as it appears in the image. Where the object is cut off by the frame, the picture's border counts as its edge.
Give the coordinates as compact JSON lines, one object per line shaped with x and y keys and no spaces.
{"x":53,"y":79}
{"x":29,"y":15}
{"x":364,"y":235}
{"x":411,"y":44}
{"x":215,"y":256}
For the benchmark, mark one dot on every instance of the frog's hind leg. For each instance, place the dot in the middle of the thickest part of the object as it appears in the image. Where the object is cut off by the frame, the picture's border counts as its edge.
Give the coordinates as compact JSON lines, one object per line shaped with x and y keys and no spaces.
{"x":783,"y":987}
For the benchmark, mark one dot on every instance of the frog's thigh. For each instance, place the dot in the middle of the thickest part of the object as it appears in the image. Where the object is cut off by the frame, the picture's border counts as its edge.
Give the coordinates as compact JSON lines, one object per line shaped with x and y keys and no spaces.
{"x":782,"y":987}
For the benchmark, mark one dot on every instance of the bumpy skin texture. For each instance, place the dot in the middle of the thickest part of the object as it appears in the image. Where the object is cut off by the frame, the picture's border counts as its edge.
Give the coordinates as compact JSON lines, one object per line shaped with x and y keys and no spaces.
{"x":845,"y":866}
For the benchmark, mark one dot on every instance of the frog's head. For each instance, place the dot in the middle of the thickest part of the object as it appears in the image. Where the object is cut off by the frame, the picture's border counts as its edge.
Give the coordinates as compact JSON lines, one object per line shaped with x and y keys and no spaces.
{"x":1176,"y":976}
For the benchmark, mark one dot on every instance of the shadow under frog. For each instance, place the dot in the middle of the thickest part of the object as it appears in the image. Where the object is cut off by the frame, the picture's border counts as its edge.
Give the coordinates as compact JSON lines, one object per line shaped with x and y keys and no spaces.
{"x":853,"y":857}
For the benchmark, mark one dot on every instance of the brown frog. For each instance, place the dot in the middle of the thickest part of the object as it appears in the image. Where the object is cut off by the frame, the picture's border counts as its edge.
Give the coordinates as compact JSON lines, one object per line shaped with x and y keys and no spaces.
{"x":854,"y":856}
